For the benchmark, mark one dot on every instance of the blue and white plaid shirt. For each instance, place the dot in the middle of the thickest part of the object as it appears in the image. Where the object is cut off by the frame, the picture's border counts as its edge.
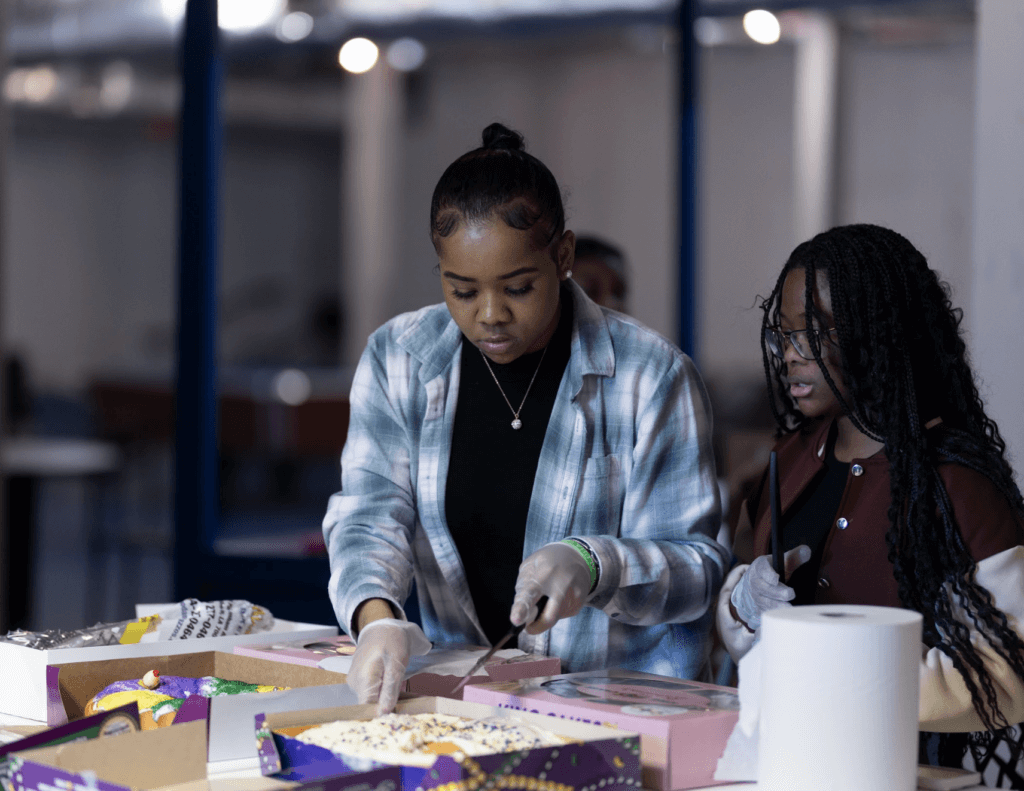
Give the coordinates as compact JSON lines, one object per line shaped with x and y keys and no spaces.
{"x":626,"y":464}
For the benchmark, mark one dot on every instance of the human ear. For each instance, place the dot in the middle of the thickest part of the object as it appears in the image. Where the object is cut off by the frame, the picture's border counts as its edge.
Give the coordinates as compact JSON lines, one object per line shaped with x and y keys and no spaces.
{"x":566,"y":255}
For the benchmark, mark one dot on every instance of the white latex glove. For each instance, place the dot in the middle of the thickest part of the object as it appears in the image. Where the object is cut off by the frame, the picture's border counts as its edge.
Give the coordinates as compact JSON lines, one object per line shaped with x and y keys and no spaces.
{"x":759,"y":590}
{"x":383,"y":651}
{"x":557,"y":571}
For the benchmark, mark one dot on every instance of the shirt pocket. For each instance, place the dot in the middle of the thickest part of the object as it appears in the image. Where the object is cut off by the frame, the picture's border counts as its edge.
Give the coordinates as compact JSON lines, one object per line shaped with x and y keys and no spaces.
{"x":599,"y":504}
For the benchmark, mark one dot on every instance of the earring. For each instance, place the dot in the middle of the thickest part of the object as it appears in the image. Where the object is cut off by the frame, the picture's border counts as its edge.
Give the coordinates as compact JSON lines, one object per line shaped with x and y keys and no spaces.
{"x":568,"y":274}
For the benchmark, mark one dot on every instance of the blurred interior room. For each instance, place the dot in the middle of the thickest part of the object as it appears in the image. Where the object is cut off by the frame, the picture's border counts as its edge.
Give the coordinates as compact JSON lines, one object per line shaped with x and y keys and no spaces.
{"x":701,"y":138}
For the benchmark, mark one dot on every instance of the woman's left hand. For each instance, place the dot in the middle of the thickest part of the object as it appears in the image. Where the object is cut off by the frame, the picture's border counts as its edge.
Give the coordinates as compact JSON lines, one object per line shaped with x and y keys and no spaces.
{"x":557,"y":571}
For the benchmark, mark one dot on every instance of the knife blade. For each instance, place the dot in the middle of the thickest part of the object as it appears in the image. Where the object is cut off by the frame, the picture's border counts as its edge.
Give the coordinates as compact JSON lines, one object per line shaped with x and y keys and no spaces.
{"x":513,"y":632}
{"x":778,"y":559}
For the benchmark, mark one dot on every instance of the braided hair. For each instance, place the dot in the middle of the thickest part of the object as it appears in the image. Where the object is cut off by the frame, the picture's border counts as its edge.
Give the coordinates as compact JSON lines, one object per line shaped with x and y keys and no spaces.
{"x":498,"y":179}
{"x":904,"y":364}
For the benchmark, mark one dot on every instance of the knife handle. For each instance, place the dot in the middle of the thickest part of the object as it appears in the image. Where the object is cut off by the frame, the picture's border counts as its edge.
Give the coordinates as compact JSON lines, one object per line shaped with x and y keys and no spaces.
{"x":541,"y":603}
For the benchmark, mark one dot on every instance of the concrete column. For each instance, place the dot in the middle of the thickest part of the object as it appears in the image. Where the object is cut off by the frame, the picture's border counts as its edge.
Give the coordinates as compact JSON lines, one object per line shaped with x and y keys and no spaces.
{"x":5,"y":16}
{"x":816,"y":37}
{"x":370,"y":204}
{"x":997,"y":281}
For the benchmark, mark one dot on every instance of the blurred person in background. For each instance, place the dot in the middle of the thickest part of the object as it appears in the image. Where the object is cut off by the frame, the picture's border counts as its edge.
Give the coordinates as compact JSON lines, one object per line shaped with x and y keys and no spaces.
{"x":894,"y":483}
{"x":600,"y":270}
{"x":519,"y":442}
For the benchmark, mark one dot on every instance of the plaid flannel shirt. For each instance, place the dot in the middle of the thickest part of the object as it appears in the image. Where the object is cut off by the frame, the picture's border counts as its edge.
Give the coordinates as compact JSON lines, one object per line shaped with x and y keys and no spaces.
{"x":626,"y":464}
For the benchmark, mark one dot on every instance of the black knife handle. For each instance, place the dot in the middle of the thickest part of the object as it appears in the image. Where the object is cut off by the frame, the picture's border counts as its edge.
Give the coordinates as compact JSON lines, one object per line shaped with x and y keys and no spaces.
{"x":541,"y":602}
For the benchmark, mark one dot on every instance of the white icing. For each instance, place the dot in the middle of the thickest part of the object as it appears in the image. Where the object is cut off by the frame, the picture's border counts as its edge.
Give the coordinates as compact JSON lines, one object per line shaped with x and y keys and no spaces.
{"x":401,"y":738}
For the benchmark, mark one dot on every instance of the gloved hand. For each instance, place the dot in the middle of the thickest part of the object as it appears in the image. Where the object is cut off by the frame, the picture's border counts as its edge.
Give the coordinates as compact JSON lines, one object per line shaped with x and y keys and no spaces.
{"x":557,"y":571}
{"x":759,"y":590}
{"x":382,"y":655}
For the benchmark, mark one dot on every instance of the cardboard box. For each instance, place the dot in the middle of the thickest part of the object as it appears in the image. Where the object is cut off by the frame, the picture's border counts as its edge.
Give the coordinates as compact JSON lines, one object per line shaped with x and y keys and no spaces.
{"x":599,"y":758}
{"x":141,"y":760}
{"x":168,"y":759}
{"x":683,"y":725}
{"x":230,"y":717}
{"x":23,"y":682}
{"x":308,"y":653}
{"x":435,"y":676}
{"x":124,"y":719}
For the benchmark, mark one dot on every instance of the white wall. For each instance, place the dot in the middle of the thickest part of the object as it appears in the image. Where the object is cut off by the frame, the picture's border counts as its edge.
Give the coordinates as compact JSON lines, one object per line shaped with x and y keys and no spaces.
{"x":998,"y":248}
{"x":904,"y":160}
{"x":598,"y":112}
{"x":907,"y":126}
{"x":746,"y":206}
{"x":93,"y":214}
{"x":90,"y":284}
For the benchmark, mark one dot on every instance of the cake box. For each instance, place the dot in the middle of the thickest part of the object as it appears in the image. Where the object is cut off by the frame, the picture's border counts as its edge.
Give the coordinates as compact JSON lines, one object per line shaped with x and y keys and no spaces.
{"x":23,"y":682}
{"x":229,"y":717}
{"x":595,"y":757}
{"x":436,"y":673}
{"x":172,"y":755}
{"x":683,"y":725}
{"x":174,"y":760}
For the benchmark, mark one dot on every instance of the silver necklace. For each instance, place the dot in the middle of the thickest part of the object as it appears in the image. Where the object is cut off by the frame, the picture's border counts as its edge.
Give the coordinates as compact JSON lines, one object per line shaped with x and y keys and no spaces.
{"x":516,"y":422}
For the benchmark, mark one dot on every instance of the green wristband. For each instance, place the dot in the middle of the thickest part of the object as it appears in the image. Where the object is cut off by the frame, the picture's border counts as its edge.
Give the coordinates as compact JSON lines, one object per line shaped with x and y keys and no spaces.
{"x":588,"y":555}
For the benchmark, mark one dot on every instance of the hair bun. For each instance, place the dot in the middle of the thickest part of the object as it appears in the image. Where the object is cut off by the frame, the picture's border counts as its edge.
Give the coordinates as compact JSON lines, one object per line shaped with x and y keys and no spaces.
{"x":500,"y":136}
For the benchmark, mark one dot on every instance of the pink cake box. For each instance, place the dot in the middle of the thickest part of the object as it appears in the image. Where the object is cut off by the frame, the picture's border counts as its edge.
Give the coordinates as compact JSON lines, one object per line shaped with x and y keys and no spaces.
{"x":312,"y":652}
{"x":683,"y":725}
{"x":301,"y":652}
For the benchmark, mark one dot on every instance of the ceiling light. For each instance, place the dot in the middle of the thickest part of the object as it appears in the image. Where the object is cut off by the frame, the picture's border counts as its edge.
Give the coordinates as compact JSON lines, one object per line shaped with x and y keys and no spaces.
{"x":295,"y":26}
{"x":358,"y":55}
{"x":762,"y":26}
{"x":242,"y":15}
{"x":234,"y":15}
{"x":406,"y":54}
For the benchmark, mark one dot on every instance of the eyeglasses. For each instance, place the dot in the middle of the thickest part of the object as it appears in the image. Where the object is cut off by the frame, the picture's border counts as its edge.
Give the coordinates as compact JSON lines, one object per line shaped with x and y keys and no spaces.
{"x":776,"y":339}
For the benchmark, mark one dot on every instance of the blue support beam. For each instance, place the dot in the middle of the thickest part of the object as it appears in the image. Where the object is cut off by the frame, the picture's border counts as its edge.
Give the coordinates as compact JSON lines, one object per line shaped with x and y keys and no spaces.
{"x":687,"y":221}
{"x":196,"y":490}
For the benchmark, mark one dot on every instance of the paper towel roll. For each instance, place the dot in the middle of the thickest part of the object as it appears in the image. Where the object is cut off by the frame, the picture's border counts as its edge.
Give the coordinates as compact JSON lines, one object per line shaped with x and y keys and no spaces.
{"x":839,"y":699}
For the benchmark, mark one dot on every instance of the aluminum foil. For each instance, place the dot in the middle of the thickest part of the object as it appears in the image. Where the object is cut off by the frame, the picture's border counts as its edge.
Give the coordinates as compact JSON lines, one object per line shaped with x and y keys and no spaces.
{"x":98,"y":634}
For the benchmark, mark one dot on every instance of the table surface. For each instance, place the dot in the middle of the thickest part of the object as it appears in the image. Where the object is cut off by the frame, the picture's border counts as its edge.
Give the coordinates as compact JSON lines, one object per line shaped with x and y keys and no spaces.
{"x":244,"y":768}
{"x":249,"y":768}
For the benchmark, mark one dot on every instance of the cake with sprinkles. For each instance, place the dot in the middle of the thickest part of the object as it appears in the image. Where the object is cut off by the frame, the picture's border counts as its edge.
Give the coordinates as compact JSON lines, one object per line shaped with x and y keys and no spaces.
{"x":159,"y":697}
{"x":418,"y":739}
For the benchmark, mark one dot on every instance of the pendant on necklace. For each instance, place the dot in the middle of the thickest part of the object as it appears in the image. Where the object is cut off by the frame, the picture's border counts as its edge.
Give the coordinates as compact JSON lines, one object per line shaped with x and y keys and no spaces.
{"x":517,"y":424}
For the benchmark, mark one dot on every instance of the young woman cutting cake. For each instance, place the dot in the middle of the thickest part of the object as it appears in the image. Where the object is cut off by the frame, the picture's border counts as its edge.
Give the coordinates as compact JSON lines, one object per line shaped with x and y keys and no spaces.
{"x":516,"y":442}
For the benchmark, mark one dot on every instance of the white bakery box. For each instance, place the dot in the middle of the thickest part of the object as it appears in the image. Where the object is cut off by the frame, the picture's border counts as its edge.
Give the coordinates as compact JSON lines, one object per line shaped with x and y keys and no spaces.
{"x":230,"y":717}
{"x":23,"y":682}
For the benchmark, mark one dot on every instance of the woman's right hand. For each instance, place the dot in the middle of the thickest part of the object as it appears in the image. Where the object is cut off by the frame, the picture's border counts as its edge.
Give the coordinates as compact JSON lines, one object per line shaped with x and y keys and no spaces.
{"x":760,"y":590}
{"x":382,"y":654}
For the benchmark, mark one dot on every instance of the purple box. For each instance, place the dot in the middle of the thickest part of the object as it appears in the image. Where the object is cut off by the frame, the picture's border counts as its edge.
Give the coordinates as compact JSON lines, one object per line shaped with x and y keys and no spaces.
{"x":683,"y":725}
{"x":600,"y":758}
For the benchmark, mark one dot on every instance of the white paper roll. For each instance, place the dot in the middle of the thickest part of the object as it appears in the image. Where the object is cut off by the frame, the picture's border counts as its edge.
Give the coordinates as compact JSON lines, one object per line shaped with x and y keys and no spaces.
{"x":839,"y":699}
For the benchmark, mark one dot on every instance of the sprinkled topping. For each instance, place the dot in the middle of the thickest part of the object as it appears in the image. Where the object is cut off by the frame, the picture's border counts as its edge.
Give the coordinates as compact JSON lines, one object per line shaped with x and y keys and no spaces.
{"x":417,"y":739}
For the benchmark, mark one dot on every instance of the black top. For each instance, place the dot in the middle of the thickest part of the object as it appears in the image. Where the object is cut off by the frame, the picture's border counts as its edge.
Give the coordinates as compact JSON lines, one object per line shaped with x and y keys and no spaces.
{"x":810,"y":519}
{"x":492,"y":466}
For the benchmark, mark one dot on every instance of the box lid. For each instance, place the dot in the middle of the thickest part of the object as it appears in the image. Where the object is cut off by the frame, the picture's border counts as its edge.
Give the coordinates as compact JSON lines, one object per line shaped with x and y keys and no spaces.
{"x":141,"y":760}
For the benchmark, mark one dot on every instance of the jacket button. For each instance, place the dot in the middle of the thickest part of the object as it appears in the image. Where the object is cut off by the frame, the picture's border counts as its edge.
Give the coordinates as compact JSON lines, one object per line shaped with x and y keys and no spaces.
{"x":842,"y":523}
{"x":857,"y":470}
{"x":823,"y":583}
